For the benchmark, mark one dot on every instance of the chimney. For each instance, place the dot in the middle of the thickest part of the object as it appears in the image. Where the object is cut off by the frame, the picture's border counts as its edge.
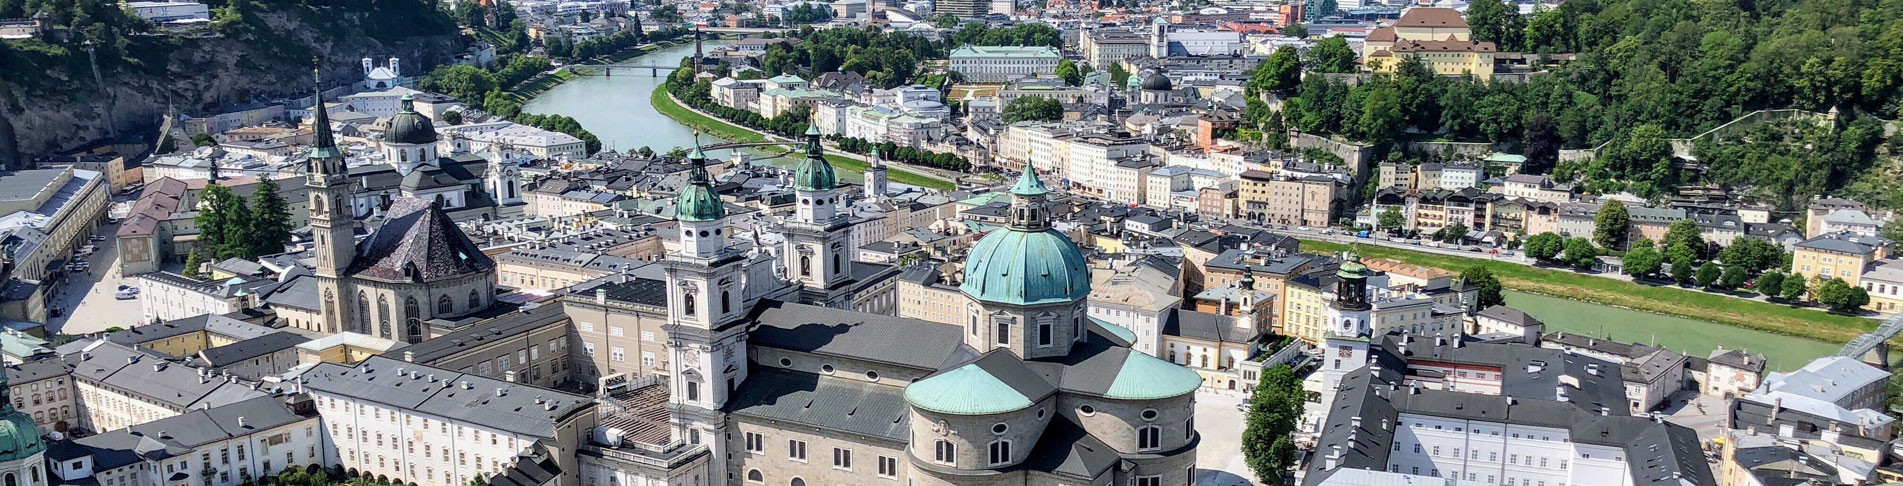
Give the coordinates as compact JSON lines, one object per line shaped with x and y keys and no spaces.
{"x":466,"y":385}
{"x":241,"y":421}
{"x":601,"y":295}
{"x":409,"y":356}
{"x":508,"y":376}
{"x":502,"y":391}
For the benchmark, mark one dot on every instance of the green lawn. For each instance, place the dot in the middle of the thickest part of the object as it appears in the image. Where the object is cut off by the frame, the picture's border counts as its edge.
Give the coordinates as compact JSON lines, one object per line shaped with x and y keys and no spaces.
{"x":1672,"y":301}
{"x":720,"y":128}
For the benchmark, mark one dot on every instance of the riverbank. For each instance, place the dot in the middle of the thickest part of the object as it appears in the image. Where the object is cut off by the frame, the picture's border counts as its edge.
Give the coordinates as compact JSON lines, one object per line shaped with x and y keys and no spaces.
{"x":1749,"y":314}
{"x":665,"y":103}
{"x":542,"y":83}
{"x":1691,"y":337}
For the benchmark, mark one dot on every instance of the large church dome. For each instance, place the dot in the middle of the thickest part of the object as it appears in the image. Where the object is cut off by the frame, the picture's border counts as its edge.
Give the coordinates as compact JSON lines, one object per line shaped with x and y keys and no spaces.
{"x":1027,"y":263}
{"x":410,"y":127}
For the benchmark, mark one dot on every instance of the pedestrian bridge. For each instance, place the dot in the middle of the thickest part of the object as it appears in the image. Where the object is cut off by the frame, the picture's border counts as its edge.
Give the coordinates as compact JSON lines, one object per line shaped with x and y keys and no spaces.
{"x":1874,"y":346}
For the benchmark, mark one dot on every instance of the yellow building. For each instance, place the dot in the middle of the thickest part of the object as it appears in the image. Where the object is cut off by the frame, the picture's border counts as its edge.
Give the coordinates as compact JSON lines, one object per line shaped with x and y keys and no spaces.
{"x":1304,"y":309}
{"x":1841,"y":255}
{"x":1438,"y":37}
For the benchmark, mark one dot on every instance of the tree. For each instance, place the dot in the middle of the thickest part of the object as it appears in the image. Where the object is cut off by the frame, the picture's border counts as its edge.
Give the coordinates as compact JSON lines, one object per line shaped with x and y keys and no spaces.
{"x":192,"y":262}
{"x":1390,"y":220}
{"x":1834,"y":292}
{"x":1644,"y":259}
{"x":461,"y":81}
{"x":214,"y":221}
{"x":1754,"y":254}
{"x":1708,"y":275}
{"x":1274,"y":410}
{"x":270,"y":224}
{"x":1684,"y":232}
{"x":1331,"y":55}
{"x":1296,"y":30}
{"x":1281,"y":73}
{"x":1382,"y":119}
{"x":1119,"y":78}
{"x":1543,"y":142}
{"x":1580,"y":253}
{"x":1480,"y":277}
{"x":1544,"y":246}
{"x":1069,"y":72}
{"x":204,"y":140}
{"x":1497,"y":22}
{"x":453,"y":117}
{"x":945,"y":21}
{"x":1794,"y":287}
{"x":1770,"y":284}
{"x":1733,"y":277}
{"x":1612,"y":225}
{"x":1681,"y":266}
{"x":1033,"y":108}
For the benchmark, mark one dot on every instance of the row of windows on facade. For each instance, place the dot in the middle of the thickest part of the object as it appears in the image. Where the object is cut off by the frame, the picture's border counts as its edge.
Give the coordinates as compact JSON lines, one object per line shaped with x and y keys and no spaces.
{"x":1044,"y":331}
{"x":1492,"y":456}
{"x":376,"y":414}
{"x":429,"y":472}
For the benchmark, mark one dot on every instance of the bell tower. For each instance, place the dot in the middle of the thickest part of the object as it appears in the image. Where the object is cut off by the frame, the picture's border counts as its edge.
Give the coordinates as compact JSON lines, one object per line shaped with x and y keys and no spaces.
{"x":705,"y":295}
{"x":332,"y":225}
{"x":817,"y":254}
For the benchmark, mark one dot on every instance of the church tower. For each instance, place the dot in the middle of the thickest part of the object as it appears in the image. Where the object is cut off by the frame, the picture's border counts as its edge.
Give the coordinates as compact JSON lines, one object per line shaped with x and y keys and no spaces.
{"x":705,"y":292}
{"x":816,"y":253}
{"x":332,"y":225}
{"x":504,"y":177}
{"x":1349,"y":329}
{"x":22,"y":451}
{"x":875,"y":177}
{"x":1027,"y":282}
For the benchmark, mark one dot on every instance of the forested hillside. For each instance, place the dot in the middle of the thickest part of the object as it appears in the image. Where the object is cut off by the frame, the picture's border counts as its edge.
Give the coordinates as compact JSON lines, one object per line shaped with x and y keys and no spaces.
{"x":1645,"y":70}
{"x":253,"y":50}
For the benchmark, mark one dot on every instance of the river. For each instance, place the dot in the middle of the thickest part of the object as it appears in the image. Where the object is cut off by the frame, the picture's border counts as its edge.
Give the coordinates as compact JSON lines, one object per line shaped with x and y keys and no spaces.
{"x":615,"y":108}
{"x":1691,"y":337}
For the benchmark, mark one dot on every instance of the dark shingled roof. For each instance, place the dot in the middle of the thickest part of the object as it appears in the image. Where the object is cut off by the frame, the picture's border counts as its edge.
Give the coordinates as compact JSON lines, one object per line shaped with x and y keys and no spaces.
{"x":251,"y":348}
{"x":841,"y":404}
{"x":912,"y":343}
{"x":418,"y":242}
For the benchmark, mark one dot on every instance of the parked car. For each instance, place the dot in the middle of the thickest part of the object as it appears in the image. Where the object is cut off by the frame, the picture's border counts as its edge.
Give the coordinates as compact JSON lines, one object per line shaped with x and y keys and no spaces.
{"x":125,"y":295}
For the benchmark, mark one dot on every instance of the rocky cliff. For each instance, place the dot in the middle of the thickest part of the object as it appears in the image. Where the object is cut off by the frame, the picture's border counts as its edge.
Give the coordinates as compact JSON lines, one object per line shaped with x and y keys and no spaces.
{"x":50,"y":103}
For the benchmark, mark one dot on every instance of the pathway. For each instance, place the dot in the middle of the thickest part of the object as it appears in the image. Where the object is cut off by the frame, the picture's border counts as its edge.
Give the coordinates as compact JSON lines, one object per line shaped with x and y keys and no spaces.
{"x":947,"y":175}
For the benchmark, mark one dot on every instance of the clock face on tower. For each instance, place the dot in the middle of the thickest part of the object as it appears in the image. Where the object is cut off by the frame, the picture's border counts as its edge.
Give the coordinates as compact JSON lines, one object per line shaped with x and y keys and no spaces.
{"x":691,"y":358}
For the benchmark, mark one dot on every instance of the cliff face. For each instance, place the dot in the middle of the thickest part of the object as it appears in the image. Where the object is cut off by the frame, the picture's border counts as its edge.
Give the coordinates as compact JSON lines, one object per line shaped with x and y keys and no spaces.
{"x":63,"y":108}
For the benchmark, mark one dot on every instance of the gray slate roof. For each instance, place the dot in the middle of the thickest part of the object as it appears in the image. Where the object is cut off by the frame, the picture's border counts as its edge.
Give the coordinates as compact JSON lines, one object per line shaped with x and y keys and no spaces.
{"x":514,"y":410}
{"x":842,"y":404}
{"x":911,"y":343}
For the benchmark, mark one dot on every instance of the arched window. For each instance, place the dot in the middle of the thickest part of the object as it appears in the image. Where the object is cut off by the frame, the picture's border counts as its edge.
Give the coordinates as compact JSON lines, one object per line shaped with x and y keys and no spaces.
{"x":687,"y":304}
{"x":330,"y":309}
{"x":12,"y":481}
{"x":383,"y":316}
{"x":725,"y":305}
{"x":755,"y":476}
{"x":475,"y":300}
{"x":1205,"y":361}
{"x":944,"y":452}
{"x":440,"y":202}
{"x":806,"y":266}
{"x":35,"y":474}
{"x":411,"y":310}
{"x":798,"y":482}
{"x":1000,"y":452}
{"x":836,"y":266}
{"x":444,"y":306}
{"x":363,"y":312}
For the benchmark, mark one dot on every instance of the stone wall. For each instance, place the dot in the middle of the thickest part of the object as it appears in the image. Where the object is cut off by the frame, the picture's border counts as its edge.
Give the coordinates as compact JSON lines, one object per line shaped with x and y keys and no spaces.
{"x":1356,"y":156}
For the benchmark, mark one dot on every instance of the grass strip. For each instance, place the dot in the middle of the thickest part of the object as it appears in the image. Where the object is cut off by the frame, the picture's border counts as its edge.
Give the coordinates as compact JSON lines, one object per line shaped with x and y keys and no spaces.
{"x":1691,"y":304}
{"x":666,"y":105}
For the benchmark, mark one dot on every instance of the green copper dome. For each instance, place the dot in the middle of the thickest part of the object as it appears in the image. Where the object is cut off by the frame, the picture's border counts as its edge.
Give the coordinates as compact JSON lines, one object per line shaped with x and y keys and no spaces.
{"x":1012,"y":266}
{"x":966,"y":390}
{"x":410,"y":127}
{"x":1353,"y":268}
{"x":814,"y":173}
{"x":1144,"y":377}
{"x":698,"y":201}
{"x":1028,"y":183}
{"x":19,"y":437}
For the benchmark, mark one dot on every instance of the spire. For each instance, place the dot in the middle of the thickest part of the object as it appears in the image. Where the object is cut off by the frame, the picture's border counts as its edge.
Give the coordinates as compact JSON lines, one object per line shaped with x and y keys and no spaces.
{"x":1248,"y":278}
{"x":878,"y":161}
{"x":697,"y":156}
{"x":698,"y":174}
{"x":324,"y":145}
{"x":1028,"y":183}
{"x":813,"y":148}
{"x":814,"y":173}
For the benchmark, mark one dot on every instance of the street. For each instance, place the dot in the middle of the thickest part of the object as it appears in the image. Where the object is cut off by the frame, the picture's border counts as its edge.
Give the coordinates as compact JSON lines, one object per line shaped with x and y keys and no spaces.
{"x":1219,"y":460}
{"x":87,"y":298}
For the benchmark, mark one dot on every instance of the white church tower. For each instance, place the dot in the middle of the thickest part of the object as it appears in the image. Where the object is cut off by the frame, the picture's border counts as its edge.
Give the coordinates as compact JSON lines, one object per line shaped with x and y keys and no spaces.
{"x":816,"y":252}
{"x":705,"y":293}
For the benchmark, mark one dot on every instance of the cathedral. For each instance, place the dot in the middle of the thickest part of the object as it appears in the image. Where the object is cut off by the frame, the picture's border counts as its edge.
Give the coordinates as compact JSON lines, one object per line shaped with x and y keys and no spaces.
{"x":1028,"y":390}
{"x":416,"y":267}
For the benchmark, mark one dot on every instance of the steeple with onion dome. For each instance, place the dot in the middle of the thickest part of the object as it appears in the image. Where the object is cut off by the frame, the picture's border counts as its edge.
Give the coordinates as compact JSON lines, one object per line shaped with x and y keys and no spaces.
{"x":410,"y":140}
{"x":20,"y":440}
{"x":699,"y":209}
{"x":817,"y":236}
